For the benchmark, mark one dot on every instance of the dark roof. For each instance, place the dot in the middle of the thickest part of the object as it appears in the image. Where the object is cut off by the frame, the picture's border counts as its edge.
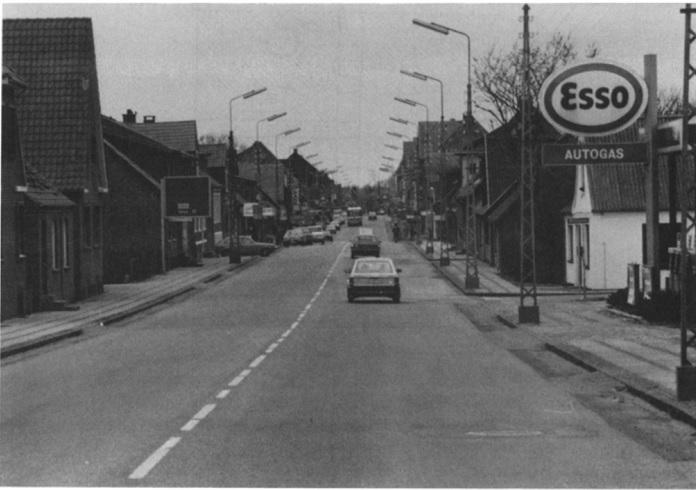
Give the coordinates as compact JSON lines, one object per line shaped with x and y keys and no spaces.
{"x":216,"y":153}
{"x":180,"y":135}
{"x":134,"y":166}
{"x":42,"y":192}
{"x":58,"y":113}
{"x":9,"y":77}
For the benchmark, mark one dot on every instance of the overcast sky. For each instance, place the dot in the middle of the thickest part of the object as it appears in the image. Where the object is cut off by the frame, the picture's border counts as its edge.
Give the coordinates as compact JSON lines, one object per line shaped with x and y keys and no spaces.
{"x":334,"y":68}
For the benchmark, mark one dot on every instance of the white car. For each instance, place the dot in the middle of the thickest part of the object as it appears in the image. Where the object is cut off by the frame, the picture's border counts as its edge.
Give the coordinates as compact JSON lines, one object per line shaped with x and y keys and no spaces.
{"x":319,"y":234}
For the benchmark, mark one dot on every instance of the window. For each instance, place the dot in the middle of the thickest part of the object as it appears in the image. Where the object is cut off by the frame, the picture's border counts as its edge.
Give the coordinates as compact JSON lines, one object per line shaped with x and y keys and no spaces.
{"x":96,"y":216}
{"x":53,"y":243}
{"x":570,"y":249}
{"x":66,"y":243}
{"x":19,"y":231}
{"x":87,"y":223}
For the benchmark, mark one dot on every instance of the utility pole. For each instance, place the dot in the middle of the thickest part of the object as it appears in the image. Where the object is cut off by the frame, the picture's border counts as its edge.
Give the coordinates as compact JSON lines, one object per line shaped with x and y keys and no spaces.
{"x":527,"y":313}
{"x":233,"y":215}
{"x":686,"y":372}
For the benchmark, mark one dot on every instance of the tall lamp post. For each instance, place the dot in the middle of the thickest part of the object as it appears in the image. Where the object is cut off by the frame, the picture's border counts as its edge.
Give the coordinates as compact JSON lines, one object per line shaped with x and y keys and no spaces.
{"x":235,"y":256}
{"x":472,"y":279}
{"x":444,"y":251}
{"x":300,"y":145}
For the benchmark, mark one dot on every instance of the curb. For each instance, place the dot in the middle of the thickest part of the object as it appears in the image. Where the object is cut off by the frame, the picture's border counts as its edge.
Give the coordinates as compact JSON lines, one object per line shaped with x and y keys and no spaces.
{"x":459,"y":284}
{"x":78,"y":327}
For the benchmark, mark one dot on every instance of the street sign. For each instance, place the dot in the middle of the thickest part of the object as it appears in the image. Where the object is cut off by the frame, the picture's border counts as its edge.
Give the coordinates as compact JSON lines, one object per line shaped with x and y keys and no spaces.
{"x":186,"y":196}
{"x":593,"y":154}
{"x":593,"y":98}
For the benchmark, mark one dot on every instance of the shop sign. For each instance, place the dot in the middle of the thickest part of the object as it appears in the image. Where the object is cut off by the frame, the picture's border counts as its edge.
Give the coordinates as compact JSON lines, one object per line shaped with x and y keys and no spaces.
{"x":591,"y":154}
{"x":186,"y":196}
{"x":593,"y":98}
{"x":269,"y":212}
{"x":251,"y":210}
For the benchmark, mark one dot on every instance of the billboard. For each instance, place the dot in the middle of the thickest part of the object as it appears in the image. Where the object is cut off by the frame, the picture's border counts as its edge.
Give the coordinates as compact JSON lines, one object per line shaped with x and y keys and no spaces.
{"x":186,"y":196}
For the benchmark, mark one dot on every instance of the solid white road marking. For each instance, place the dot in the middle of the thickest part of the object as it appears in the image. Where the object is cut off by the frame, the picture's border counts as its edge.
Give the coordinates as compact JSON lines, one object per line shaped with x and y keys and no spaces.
{"x":258,"y":361}
{"x":142,"y":470}
{"x":203,"y":412}
{"x":190,"y":425}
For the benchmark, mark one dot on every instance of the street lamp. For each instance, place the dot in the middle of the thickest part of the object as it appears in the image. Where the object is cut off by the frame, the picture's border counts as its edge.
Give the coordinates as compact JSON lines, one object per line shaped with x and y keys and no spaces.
{"x":304,"y":143}
{"x":392,"y":146}
{"x":439,"y":28}
{"x":313,"y":155}
{"x":388,"y":158}
{"x":396,"y":135}
{"x":233,"y":218}
{"x":420,"y":76}
{"x":399,"y":120}
{"x":284,"y":133}
{"x":472,"y":279}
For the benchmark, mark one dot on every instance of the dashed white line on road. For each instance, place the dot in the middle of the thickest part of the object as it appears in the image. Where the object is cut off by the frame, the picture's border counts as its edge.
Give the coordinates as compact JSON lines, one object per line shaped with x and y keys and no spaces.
{"x":222,"y":394}
{"x":240,"y":377}
{"x":257,"y":361}
{"x":142,"y":470}
{"x":272,"y":347}
{"x":203,"y":412}
{"x":190,"y":425}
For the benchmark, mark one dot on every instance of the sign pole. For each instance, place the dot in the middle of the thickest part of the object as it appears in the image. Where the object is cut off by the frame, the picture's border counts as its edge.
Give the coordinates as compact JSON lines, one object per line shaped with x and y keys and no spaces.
{"x":652,"y":218}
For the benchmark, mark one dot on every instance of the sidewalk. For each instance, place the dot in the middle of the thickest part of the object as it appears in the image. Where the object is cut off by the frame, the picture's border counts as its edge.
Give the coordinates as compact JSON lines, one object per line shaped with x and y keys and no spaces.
{"x":117,"y":302}
{"x":580,"y":327}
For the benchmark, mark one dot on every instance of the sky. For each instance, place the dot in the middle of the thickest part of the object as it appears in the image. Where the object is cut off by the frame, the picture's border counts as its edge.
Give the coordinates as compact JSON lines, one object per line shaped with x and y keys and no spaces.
{"x":335,"y":67}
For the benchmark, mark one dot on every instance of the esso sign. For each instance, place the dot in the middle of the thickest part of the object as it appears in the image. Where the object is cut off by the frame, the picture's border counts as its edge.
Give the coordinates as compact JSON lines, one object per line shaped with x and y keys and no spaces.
{"x":593,"y":98}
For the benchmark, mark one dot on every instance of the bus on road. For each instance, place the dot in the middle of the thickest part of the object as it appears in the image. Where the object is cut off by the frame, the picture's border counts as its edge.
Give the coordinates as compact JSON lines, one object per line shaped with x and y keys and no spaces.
{"x":354,"y":216}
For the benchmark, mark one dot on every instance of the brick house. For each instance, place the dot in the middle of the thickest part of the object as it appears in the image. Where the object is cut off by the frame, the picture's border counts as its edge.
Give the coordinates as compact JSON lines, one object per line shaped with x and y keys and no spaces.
{"x":215,"y":157}
{"x":182,"y":136}
{"x":497,"y":202}
{"x":136,"y":165}
{"x":14,"y":187}
{"x":60,"y":130}
{"x":259,"y":164}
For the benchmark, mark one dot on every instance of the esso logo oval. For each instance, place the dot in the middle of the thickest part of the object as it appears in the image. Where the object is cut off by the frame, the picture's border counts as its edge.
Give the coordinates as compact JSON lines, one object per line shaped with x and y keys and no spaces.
{"x":593,"y":98}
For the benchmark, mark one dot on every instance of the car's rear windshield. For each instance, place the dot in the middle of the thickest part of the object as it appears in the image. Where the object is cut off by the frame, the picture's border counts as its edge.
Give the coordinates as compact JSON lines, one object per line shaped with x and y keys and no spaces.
{"x":374,"y":267}
{"x":366,"y":238}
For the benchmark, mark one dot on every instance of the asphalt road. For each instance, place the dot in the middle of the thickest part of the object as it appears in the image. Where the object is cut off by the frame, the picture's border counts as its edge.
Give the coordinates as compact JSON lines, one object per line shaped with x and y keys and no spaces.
{"x":271,"y":378}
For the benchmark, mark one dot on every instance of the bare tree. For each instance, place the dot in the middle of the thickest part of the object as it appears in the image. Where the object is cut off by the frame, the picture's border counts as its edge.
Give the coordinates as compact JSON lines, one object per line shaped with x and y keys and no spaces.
{"x":669,"y":102}
{"x":211,"y":139}
{"x":498,"y":76}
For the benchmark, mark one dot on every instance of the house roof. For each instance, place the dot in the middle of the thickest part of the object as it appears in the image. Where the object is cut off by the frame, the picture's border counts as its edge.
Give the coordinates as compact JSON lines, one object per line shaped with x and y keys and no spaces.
{"x":621,"y":187}
{"x":180,"y":135}
{"x":41,"y":192}
{"x":58,"y":113}
{"x":217,"y":154}
{"x":134,"y":166}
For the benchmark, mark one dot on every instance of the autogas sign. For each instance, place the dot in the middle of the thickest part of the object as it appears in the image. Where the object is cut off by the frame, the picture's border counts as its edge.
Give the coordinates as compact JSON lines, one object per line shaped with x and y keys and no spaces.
{"x":593,"y":98}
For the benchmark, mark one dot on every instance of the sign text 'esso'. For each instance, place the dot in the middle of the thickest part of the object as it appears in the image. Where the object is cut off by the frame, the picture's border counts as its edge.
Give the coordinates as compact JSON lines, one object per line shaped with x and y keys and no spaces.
{"x":593,"y":98}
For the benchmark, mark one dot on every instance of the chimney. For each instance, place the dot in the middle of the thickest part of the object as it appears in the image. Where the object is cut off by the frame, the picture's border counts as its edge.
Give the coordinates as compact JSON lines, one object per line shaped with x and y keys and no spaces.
{"x":148,"y":119}
{"x":129,"y":117}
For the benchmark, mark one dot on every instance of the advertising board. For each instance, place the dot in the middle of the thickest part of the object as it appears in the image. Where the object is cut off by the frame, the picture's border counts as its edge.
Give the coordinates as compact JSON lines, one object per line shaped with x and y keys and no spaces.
{"x":593,"y":98}
{"x":186,"y":196}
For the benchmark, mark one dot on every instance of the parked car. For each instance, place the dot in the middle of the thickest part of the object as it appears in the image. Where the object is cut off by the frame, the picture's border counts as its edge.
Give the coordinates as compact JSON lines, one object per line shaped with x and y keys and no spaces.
{"x":371,"y":216}
{"x":364,"y":245}
{"x":297,"y":236}
{"x":319,"y":234}
{"x":374,"y":277}
{"x":247,"y":246}
{"x":332,"y":227}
